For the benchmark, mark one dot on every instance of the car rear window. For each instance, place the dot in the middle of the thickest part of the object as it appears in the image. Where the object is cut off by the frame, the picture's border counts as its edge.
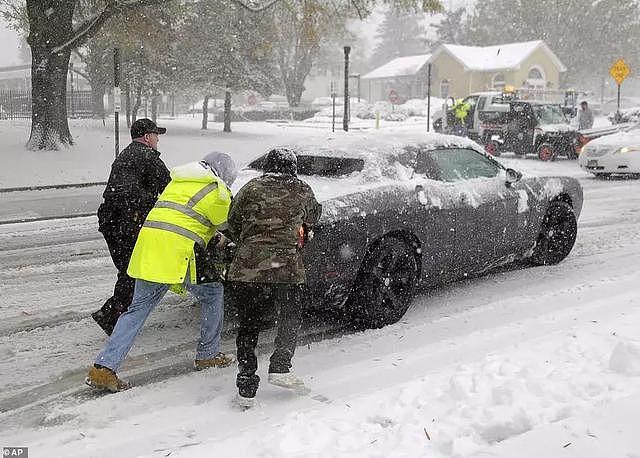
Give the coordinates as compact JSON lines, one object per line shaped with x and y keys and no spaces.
{"x":324,"y":166}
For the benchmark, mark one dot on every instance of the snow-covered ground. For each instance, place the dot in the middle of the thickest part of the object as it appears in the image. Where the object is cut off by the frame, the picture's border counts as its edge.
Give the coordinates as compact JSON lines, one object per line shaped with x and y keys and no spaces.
{"x":526,"y":362}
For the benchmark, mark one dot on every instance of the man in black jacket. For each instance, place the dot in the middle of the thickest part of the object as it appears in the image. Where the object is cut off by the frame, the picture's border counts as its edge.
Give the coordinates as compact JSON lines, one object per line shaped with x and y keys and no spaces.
{"x":137,"y":177}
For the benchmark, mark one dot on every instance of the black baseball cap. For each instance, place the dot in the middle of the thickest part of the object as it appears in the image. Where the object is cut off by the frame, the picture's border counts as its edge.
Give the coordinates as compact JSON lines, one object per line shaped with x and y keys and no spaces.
{"x":145,"y":126}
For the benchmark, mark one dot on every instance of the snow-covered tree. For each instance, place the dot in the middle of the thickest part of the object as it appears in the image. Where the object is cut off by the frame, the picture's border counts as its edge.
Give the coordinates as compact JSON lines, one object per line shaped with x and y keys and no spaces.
{"x":302,"y":28}
{"x":53,"y":33}
{"x":400,"y":34}
{"x":451,"y":29}
{"x":223,"y":47}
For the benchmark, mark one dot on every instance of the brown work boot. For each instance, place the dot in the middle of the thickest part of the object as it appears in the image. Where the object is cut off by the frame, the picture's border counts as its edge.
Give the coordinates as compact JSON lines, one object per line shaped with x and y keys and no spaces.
{"x":103,"y":378}
{"x":219,"y":360}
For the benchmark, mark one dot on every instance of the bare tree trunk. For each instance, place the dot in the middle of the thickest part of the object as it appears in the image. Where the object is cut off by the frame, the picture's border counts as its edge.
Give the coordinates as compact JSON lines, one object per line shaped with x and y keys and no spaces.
{"x":227,"y":112}
{"x":98,"y":90}
{"x":154,"y":107}
{"x":294,"y":89}
{"x":205,"y":112}
{"x":127,"y":104}
{"x":49,"y":26}
{"x":136,"y":105}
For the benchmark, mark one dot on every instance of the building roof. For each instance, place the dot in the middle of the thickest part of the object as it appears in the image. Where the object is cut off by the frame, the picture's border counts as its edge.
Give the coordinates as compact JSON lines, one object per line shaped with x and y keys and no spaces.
{"x":499,"y":57}
{"x":401,"y":66}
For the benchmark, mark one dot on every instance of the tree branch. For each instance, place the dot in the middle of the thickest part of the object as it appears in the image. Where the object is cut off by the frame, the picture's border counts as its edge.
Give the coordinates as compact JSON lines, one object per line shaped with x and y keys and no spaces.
{"x":255,"y":6}
{"x":361,"y":9}
{"x":92,"y":25}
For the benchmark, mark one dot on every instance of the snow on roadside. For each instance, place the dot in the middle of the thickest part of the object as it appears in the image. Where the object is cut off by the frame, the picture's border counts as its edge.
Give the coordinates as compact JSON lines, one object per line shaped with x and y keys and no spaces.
{"x":467,"y":407}
{"x":452,"y":386}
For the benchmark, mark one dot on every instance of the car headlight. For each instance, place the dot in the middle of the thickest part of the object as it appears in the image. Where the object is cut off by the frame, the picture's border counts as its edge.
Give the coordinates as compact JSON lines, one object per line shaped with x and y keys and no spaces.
{"x":627,"y":149}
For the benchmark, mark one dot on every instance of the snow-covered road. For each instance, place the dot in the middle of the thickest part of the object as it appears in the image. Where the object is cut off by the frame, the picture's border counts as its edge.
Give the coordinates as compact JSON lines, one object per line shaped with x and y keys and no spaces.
{"x":520,"y":361}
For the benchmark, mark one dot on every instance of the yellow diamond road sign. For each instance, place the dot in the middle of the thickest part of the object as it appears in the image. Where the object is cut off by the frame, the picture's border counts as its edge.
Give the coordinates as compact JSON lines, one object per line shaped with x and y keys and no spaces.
{"x":619,"y":71}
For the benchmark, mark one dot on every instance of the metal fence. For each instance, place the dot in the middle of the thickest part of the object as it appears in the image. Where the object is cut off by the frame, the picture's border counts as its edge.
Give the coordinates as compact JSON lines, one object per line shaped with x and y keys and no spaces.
{"x":16,"y":104}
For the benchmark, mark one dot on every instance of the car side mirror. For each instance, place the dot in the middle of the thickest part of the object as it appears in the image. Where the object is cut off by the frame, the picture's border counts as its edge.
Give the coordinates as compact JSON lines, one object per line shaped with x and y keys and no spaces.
{"x":421,"y":195}
{"x":513,"y":176}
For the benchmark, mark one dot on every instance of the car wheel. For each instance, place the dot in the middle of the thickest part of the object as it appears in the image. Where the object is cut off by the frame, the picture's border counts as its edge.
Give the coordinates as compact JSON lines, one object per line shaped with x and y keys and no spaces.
{"x":492,"y":148}
{"x":557,"y":235}
{"x":546,"y":153}
{"x":385,"y":284}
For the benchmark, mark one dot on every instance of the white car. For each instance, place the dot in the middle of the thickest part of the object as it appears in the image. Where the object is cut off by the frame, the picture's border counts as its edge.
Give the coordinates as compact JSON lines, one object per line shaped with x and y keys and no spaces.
{"x":613,"y":154}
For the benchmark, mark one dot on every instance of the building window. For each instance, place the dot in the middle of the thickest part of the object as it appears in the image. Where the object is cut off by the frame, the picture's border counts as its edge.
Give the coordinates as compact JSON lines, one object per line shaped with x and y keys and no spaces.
{"x":497,"y":82}
{"x":535,"y":74}
{"x":445,"y":86}
{"x":536,"y":79}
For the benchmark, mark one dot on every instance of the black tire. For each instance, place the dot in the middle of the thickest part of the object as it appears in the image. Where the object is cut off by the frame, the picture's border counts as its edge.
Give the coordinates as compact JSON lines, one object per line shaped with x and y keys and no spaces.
{"x":492,"y":148}
{"x":546,"y":152}
{"x":385,"y":284}
{"x":557,"y":235}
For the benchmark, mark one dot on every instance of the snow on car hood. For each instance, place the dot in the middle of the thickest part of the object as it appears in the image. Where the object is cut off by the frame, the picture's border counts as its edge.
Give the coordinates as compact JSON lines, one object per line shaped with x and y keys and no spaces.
{"x":619,"y":139}
{"x":561,"y":127}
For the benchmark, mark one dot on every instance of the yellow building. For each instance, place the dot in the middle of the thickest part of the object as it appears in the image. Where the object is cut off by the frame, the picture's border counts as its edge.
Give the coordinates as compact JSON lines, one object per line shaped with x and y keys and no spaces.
{"x":457,"y":71}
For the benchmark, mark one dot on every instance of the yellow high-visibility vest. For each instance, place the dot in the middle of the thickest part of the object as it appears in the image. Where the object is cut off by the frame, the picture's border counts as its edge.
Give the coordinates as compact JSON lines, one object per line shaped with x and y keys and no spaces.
{"x":187,"y":212}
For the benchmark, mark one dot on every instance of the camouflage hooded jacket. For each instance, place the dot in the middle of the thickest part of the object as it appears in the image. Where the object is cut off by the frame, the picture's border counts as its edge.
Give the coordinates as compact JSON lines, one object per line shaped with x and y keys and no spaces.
{"x":265,"y":220}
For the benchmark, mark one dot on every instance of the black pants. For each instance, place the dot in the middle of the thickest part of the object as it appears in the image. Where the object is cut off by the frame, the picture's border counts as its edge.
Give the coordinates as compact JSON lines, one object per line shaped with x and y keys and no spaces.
{"x":255,"y":302}
{"x":120,"y":236}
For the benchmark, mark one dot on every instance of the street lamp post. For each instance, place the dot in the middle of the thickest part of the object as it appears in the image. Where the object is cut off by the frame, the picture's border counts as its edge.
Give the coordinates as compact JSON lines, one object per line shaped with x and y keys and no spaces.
{"x":345,"y":117}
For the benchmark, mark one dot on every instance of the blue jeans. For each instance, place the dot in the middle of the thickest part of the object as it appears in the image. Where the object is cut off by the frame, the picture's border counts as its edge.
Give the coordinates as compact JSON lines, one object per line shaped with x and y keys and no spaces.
{"x":146,"y":296}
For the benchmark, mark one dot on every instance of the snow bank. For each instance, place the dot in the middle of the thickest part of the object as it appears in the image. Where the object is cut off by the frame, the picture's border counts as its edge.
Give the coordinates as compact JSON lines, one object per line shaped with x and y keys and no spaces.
{"x":385,"y":110}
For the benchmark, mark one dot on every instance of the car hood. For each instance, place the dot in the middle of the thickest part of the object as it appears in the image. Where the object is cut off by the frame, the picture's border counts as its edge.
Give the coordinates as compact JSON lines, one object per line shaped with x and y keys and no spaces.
{"x":618,"y":140}
{"x":556,"y":127}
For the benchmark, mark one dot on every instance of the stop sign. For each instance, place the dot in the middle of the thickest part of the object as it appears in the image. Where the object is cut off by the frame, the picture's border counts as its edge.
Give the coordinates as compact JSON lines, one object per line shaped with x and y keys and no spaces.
{"x":393,"y":97}
{"x":252,"y":100}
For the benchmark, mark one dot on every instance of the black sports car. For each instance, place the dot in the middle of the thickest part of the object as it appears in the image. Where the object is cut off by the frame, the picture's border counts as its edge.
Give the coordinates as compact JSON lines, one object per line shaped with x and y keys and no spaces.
{"x":399,"y":209}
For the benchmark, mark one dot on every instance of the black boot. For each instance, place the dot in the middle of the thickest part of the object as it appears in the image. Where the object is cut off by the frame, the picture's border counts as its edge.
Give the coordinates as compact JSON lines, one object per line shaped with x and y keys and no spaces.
{"x":105,"y":320}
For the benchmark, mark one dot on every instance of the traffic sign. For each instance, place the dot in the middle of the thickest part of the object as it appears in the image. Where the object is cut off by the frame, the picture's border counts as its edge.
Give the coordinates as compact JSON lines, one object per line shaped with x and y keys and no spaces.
{"x":393,"y":97}
{"x":619,"y":71}
{"x":252,"y":99}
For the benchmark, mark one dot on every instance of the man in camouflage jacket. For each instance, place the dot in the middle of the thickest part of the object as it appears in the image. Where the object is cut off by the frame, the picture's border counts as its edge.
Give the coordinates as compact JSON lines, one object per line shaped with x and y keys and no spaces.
{"x":269,"y":219}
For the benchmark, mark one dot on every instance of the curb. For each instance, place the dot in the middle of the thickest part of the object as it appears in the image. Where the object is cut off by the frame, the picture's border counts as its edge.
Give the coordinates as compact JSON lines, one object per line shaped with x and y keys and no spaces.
{"x":54,"y":186}
{"x":45,"y":218}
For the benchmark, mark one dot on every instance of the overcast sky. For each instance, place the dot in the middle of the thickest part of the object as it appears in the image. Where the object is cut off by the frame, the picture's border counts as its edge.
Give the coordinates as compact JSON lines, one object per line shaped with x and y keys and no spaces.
{"x":9,"y":53}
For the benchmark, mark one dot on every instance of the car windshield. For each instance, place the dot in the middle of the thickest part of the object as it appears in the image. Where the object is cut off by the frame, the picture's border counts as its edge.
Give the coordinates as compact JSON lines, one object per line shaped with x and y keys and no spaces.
{"x":549,"y":114}
{"x":455,"y":164}
{"x":324,"y":166}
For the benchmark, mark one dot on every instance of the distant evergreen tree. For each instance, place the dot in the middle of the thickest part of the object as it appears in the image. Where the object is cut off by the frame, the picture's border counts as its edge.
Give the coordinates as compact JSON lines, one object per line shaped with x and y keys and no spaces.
{"x":400,"y":34}
{"x":452,"y":29}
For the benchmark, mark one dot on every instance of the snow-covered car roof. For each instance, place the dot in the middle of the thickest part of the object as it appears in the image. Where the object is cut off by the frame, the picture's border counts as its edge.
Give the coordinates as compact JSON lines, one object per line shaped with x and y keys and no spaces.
{"x":383,"y":156}
{"x":375,"y":144}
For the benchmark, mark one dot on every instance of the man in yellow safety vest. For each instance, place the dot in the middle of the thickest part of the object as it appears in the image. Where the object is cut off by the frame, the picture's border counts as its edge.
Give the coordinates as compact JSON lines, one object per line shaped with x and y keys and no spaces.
{"x":186,"y":216}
